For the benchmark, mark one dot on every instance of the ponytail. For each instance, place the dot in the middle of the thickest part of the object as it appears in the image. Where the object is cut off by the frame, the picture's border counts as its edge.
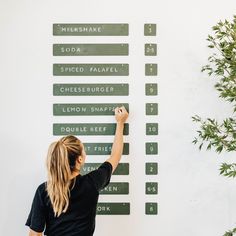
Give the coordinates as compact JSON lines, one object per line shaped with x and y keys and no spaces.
{"x":61,"y":161}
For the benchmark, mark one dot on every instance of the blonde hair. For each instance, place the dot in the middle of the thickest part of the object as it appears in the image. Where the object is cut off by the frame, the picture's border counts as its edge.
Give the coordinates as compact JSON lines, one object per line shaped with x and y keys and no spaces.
{"x":61,"y":162}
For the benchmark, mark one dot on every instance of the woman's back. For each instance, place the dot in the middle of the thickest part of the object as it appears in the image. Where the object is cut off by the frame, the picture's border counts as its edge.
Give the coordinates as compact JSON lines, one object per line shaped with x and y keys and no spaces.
{"x":66,"y":204}
{"x":79,"y":219}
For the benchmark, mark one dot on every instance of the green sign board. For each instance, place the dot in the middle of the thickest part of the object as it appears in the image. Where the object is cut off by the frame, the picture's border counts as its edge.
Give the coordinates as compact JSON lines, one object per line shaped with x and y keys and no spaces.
{"x":151,"y":148}
{"x":151,"y":208}
{"x":122,"y":168}
{"x":87,"y":129}
{"x":91,"y":29}
{"x":151,"y":89}
{"x":150,"y":49}
{"x":91,"y":89}
{"x":86,"y":109}
{"x":90,"y":49}
{"x":150,"y":29}
{"x":151,"y":188}
{"x":103,"y":148}
{"x":151,"y":109}
{"x":151,"y":128}
{"x":150,"y":69}
{"x":151,"y":168}
{"x":116,"y":188}
{"x":108,"y":208}
{"x":91,"y":69}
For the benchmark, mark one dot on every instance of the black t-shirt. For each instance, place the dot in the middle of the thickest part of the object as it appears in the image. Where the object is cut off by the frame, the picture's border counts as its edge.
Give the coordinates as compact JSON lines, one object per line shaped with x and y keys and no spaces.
{"x":79,"y":219}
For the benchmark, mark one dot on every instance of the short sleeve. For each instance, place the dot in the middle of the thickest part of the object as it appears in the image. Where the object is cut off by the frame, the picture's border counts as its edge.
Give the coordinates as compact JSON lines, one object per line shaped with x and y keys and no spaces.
{"x":101,"y":177}
{"x":36,"y":219}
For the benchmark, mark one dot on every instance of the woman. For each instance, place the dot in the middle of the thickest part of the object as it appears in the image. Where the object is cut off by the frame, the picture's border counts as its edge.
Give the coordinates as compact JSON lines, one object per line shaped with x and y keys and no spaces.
{"x":66,"y":204}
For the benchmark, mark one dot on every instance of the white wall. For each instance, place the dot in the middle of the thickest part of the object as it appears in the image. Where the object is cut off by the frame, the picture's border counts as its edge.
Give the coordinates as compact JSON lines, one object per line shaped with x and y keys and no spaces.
{"x":193,"y":199}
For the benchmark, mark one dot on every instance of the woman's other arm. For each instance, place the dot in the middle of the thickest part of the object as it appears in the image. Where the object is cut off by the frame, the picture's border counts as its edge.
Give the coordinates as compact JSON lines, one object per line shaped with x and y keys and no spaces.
{"x":33,"y":233}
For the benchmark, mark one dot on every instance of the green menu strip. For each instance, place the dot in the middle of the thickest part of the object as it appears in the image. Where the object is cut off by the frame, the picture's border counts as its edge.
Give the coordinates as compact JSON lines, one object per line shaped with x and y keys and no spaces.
{"x":91,"y":29}
{"x":87,"y":109}
{"x":87,"y":129}
{"x":122,"y":168}
{"x":90,"y":49}
{"x":103,"y":148}
{"x":91,"y":69}
{"x":116,"y":188}
{"x":108,"y":208}
{"x":91,"y":89}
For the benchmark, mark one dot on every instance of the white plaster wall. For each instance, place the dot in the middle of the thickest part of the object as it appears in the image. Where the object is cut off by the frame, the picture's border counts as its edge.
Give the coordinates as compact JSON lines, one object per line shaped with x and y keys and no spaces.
{"x":193,"y":199}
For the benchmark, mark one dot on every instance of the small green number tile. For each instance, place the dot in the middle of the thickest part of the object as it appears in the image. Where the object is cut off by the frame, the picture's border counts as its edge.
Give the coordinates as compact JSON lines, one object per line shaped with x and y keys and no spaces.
{"x":151,"y":109}
{"x":150,"y":29}
{"x":151,"y":168}
{"x":151,"y":188}
{"x":151,"y":128}
{"x":150,"y":49}
{"x":151,"y":148}
{"x":151,"y":208}
{"x":151,"y":69}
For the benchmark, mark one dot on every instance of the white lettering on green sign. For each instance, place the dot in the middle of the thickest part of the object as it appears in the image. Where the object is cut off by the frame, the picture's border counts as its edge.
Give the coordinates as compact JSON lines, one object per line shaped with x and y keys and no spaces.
{"x":86,"y":89}
{"x":81,"y":29}
{"x":103,"y":208}
{"x":72,"y":69}
{"x":74,"y":109}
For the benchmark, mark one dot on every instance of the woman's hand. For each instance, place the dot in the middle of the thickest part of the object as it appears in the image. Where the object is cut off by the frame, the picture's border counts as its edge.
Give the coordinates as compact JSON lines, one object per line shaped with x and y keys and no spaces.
{"x":121,"y":114}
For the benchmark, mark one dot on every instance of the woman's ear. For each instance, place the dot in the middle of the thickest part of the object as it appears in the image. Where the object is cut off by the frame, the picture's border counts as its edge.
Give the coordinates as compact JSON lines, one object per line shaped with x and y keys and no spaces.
{"x":79,"y":159}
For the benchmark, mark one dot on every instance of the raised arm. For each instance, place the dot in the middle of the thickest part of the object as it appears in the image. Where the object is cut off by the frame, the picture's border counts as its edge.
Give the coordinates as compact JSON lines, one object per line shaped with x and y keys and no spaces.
{"x":117,"y":148}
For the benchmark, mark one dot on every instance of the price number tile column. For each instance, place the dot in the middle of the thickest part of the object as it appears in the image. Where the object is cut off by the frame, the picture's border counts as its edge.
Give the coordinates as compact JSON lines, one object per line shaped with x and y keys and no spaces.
{"x":151,"y":112}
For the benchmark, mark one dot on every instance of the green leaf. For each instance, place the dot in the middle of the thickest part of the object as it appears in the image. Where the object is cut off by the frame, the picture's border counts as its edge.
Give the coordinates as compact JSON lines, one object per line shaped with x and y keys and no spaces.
{"x":200,"y":146}
{"x":209,"y":146}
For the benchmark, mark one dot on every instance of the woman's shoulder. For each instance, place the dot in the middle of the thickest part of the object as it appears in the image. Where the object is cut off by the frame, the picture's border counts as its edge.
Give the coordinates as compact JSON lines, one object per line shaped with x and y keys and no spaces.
{"x":41,"y":189}
{"x":100,"y":176}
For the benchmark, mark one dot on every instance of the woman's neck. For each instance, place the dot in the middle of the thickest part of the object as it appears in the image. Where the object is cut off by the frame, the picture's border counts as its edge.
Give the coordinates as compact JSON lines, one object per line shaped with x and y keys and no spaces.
{"x":74,"y":174}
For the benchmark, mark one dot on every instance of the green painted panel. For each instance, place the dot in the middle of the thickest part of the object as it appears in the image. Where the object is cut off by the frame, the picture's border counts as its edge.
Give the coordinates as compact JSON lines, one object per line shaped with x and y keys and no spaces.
{"x":150,"y":49}
{"x":116,"y":188}
{"x":91,"y":29}
{"x":108,"y":208}
{"x":151,"y":69}
{"x":151,"y":188}
{"x":150,"y":29}
{"x":91,"y":69}
{"x":151,"y":208}
{"x":86,"y":109}
{"x":87,"y":129}
{"x":103,"y":148}
{"x":151,"y":89}
{"x":151,"y":148}
{"x":91,"y":89}
{"x":151,"y":168}
{"x":151,"y":109}
{"x":122,"y":168}
{"x":90,"y":49}
{"x":151,"y":128}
